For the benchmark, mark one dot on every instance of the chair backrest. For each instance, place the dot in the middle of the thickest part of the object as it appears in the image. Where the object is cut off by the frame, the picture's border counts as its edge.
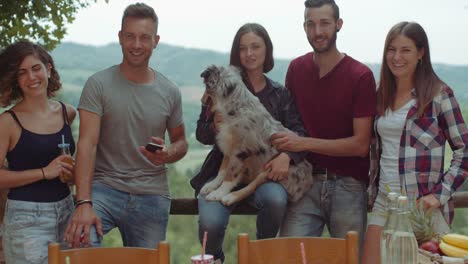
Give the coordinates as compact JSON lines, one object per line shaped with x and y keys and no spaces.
{"x":287,"y":250}
{"x":116,"y":255}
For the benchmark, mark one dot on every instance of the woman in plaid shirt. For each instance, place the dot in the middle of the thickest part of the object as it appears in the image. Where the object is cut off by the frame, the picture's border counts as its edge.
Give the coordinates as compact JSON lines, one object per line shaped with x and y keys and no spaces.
{"x":416,"y":114}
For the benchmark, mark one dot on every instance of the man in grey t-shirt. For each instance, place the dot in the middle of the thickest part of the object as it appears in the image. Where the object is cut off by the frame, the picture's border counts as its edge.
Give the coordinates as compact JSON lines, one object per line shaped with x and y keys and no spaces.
{"x":122,"y":108}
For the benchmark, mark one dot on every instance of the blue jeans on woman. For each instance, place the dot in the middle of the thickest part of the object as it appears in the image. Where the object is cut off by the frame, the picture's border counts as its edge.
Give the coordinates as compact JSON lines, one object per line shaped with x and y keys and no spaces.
{"x":141,"y":218}
{"x":271,"y":200}
{"x":29,"y":227}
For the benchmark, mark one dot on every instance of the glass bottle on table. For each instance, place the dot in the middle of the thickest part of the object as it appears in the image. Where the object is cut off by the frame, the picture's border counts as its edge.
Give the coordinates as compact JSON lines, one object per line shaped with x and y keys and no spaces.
{"x":390,"y":225}
{"x":403,"y":247}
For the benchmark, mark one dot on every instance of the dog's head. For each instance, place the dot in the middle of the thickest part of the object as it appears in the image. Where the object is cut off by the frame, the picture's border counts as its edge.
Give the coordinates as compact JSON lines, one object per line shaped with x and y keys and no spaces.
{"x":219,"y":82}
{"x":211,"y":77}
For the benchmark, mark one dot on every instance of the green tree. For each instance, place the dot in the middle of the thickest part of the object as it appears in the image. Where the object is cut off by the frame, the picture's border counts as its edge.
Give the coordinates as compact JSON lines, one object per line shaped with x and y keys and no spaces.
{"x":43,"y":21}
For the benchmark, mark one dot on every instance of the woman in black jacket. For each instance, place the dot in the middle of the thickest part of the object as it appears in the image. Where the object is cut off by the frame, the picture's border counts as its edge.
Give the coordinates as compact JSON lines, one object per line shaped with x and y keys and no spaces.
{"x":252,"y":52}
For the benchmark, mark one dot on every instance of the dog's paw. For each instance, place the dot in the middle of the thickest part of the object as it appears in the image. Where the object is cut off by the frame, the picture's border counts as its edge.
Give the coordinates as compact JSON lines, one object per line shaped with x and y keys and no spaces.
{"x":213,"y":196}
{"x":205,"y":190}
{"x":209,"y":187}
{"x":229,"y":199}
{"x":217,"y":195}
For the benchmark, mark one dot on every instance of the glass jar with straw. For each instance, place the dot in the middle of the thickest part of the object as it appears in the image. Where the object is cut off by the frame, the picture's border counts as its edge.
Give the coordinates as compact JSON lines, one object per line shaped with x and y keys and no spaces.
{"x":303,"y":254}
{"x":203,"y":258}
{"x":65,"y":150}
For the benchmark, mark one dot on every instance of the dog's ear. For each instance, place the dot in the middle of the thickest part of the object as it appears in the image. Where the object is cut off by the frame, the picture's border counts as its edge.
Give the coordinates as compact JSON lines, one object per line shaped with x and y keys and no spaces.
{"x":229,"y":89}
{"x":205,"y":74}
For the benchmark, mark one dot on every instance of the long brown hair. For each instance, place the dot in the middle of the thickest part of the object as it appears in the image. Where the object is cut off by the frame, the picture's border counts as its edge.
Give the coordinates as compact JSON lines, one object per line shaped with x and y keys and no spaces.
{"x":426,"y":82}
{"x":10,"y":60}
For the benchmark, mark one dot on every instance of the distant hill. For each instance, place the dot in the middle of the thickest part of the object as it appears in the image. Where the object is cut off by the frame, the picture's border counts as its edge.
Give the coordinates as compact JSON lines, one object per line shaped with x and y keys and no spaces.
{"x":183,"y":66}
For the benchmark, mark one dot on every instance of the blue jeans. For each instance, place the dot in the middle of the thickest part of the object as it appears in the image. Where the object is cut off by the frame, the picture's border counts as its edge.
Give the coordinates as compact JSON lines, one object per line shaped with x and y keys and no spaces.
{"x":339,"y":203}
{"x":271,"y":200}
{"x":29,"y":227}
{"x":141,"y":219}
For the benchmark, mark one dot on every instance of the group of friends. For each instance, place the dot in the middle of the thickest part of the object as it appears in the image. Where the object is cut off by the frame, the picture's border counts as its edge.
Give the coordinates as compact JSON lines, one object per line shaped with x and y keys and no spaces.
{"x":332,"y":106}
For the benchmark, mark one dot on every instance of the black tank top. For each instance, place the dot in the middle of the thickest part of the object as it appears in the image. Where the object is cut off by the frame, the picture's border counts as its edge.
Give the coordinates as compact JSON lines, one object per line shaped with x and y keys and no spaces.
{"x":35,"y":151}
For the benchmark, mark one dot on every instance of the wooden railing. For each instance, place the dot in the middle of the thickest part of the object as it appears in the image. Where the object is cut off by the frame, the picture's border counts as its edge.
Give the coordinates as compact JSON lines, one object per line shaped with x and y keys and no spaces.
{"x":189,"y":206}
{"x":461,"y":199}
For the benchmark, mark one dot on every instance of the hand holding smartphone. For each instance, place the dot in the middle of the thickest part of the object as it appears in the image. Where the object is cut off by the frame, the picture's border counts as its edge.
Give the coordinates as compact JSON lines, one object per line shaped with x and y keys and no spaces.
{"x":152,"y":147}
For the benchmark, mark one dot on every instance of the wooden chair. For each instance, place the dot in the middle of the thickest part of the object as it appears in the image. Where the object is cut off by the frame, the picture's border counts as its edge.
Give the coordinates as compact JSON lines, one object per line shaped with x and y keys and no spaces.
{"x":287,"y":250}
{"x":116,"y":255}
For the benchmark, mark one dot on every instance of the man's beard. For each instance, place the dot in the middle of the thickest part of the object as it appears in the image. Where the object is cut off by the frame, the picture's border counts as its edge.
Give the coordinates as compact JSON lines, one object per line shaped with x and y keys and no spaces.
{"x":330,"y":44}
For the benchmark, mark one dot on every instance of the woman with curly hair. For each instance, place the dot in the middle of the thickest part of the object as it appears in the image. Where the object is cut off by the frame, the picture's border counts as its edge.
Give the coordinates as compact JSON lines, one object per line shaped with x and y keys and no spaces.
{"x":39,"y":203}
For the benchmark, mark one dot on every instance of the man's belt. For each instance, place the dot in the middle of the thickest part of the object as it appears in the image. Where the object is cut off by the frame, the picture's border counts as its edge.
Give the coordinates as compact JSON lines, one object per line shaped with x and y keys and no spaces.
{"x":323,"y":173}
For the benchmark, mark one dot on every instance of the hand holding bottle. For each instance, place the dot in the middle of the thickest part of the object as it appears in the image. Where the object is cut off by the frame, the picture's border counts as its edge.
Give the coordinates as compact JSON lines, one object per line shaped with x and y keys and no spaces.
{"x":66,"y":176}
{"x":56,"y":167}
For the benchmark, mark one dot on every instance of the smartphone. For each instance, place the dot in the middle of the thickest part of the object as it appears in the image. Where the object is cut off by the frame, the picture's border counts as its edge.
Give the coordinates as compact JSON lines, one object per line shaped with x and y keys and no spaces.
{"x":152,"y":147}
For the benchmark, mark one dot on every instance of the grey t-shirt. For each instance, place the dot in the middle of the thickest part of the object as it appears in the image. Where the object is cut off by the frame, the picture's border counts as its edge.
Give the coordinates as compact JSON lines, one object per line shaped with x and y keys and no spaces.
{"x":130,"y":114}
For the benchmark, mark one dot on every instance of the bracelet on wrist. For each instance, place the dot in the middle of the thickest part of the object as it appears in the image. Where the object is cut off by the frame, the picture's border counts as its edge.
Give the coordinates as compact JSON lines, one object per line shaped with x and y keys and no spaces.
{"x":80,"y":202}
{"x":43,"y":174}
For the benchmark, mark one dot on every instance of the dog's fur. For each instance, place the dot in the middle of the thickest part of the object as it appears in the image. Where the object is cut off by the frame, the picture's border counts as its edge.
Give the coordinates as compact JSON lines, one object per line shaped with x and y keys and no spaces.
{"x":244,"y":138}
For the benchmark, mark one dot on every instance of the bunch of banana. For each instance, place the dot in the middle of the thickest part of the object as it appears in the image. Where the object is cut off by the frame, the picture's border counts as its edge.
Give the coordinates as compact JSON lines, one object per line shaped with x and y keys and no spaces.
{"x":454,"y":245}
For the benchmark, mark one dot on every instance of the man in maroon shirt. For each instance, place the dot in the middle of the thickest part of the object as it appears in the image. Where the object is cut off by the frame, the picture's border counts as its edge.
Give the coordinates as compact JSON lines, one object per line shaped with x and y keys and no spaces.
{"x":335,"y":95}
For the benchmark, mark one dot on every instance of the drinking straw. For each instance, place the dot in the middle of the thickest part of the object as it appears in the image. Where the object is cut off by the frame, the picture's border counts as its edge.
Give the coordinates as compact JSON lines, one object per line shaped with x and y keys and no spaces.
{"x":304,"y":261}
{"x":205,"y":235}
{"x":63,"y":140}
{"x":67,"y":260}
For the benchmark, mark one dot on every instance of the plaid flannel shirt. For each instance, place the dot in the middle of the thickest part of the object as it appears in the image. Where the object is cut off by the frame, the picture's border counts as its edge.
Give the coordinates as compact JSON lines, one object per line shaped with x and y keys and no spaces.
{"x":422,"y":149}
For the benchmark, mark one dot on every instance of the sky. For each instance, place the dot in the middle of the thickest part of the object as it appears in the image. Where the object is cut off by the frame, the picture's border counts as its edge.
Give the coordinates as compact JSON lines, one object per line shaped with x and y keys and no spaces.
{"x":212,"y":24}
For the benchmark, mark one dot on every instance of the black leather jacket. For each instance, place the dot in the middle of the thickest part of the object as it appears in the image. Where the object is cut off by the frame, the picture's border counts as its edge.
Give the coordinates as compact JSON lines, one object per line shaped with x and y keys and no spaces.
{"x":280,"y":105}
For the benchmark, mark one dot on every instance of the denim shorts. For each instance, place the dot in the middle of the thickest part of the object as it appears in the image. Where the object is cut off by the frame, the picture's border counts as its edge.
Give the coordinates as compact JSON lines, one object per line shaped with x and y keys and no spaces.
{"x":378,"y":216}
{"x":30,"y":226}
